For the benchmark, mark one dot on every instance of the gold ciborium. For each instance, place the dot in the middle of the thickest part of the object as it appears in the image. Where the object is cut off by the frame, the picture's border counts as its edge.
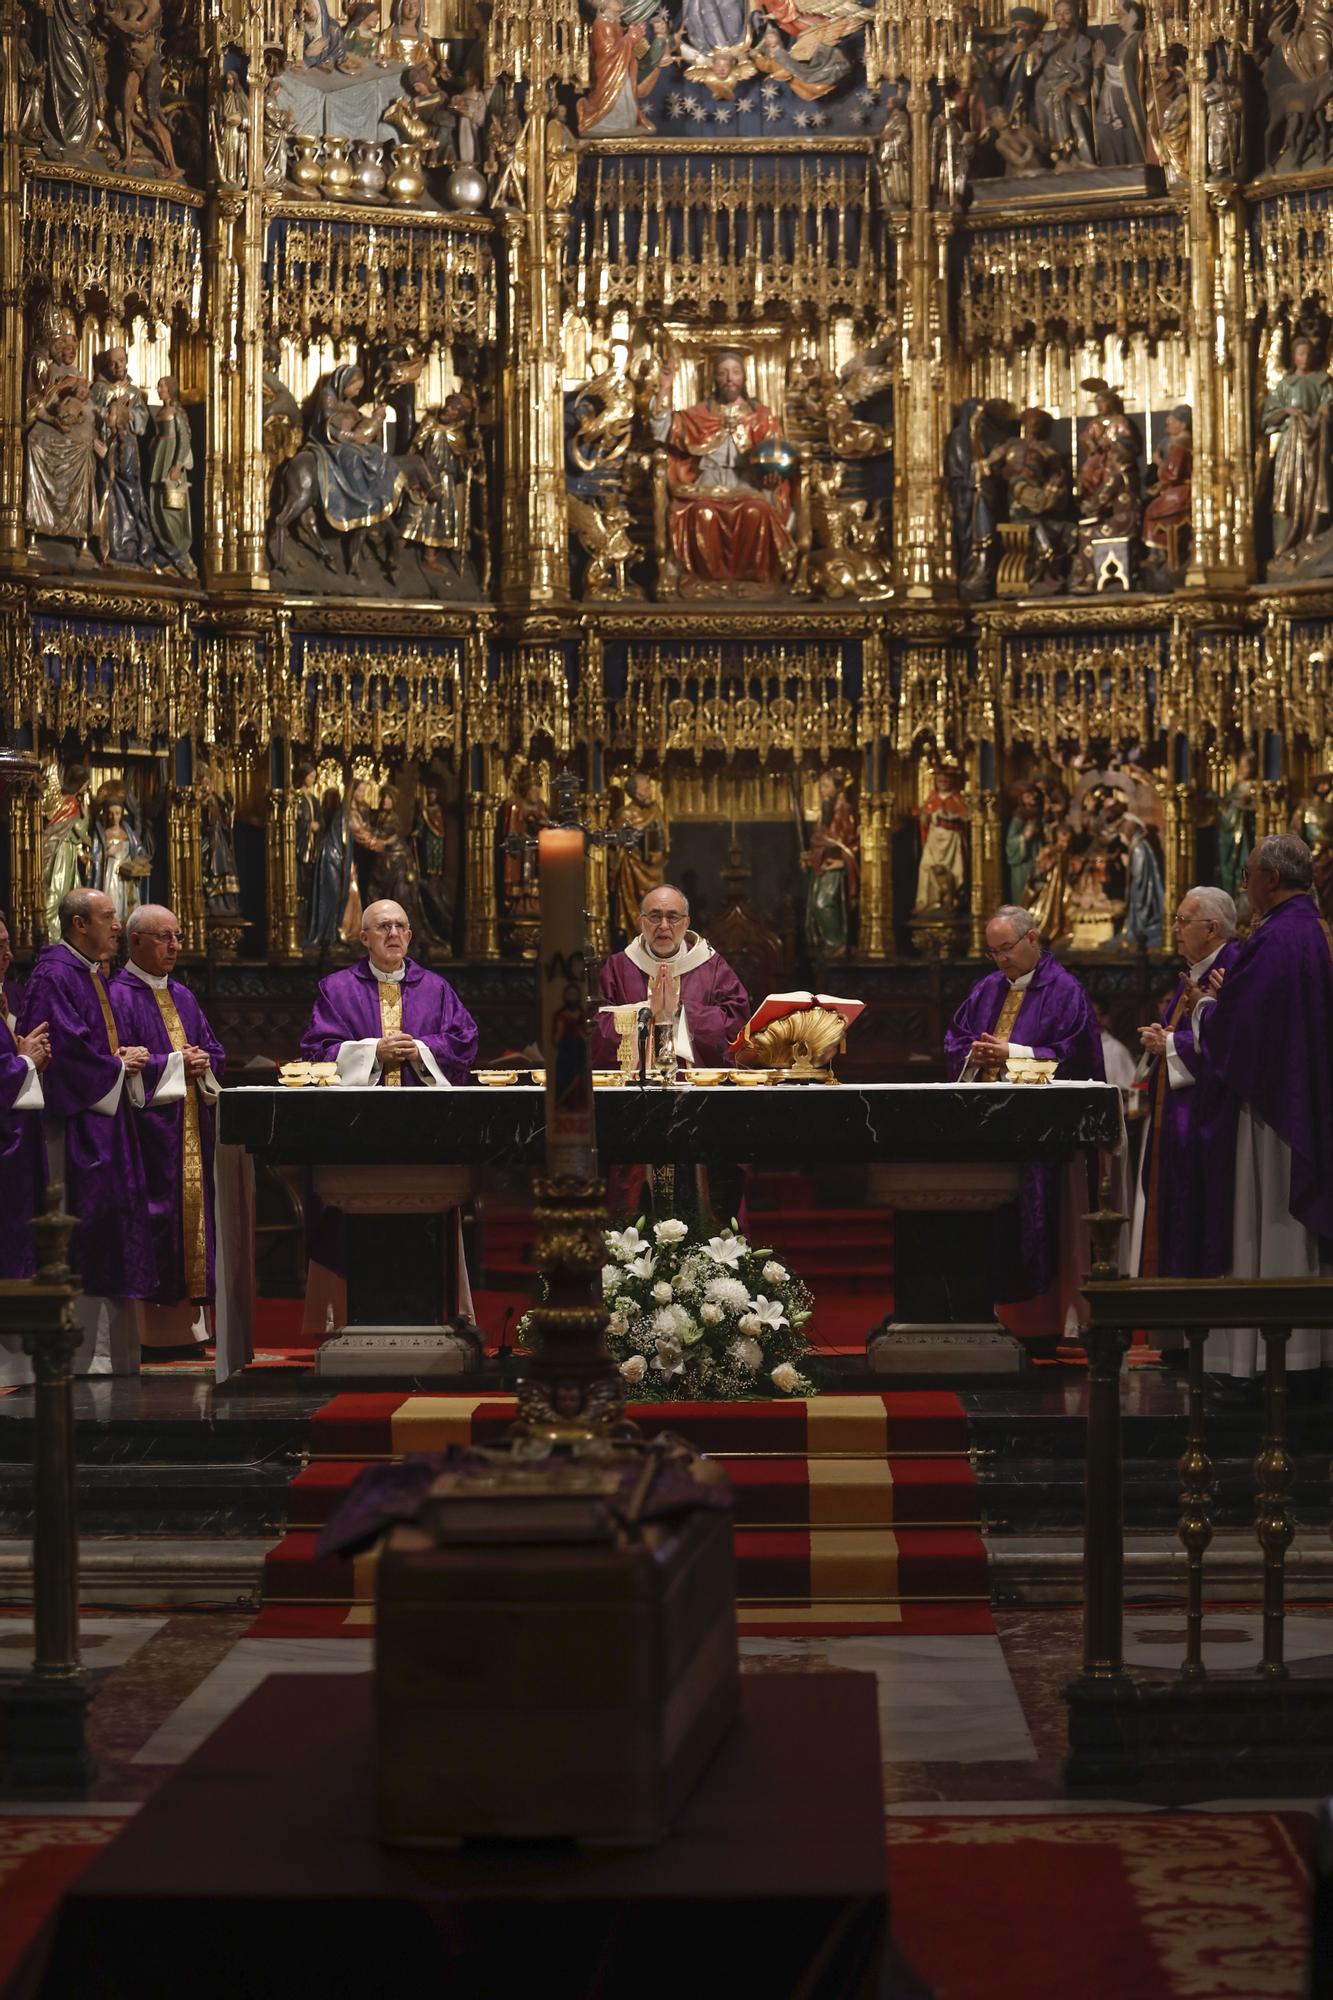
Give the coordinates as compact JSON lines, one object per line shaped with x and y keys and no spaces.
{"x":802,"y":1045}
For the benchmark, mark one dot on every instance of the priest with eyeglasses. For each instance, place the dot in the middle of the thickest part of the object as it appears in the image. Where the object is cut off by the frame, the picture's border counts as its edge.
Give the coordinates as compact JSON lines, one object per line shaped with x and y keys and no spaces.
{"x":679,"y":976}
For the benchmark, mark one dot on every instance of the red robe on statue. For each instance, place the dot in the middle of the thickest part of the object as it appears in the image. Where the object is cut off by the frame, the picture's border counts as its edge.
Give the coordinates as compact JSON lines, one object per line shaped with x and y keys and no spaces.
{"x":729,"y":533}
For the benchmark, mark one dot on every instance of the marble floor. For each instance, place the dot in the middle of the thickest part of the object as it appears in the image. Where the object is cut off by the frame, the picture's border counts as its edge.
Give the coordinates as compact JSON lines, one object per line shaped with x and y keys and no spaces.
{"x":966,"y":1722}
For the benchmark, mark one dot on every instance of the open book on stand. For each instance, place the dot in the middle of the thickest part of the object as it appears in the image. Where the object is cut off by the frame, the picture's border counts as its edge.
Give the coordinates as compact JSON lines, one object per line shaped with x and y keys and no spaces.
{"x":778,"y":1006}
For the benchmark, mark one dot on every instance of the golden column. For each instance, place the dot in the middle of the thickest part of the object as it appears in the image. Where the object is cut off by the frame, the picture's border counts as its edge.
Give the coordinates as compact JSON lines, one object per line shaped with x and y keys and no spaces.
{"x":11,"y":298}
{"x":1222,"y":528}
{"x":912,"y":39}
{"x":534,"y":44}
{"x":236,"y":480}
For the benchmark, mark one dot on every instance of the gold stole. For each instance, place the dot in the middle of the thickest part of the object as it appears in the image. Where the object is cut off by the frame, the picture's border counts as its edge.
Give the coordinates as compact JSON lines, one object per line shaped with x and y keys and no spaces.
{"x":391,"y":1020}
{"x":1152,"y":1226}
{"x":1013,"y":1002}
{"x":192,"y":1161}
{"x":113,"y":1039}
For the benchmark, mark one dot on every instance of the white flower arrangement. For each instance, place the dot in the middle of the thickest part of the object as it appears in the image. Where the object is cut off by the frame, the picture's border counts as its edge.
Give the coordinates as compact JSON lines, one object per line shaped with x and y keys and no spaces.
{"x":703,"y":1317}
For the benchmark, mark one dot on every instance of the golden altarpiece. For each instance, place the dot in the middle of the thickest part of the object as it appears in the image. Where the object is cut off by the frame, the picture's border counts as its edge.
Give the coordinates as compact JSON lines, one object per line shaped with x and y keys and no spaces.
{"x":883,"y":453}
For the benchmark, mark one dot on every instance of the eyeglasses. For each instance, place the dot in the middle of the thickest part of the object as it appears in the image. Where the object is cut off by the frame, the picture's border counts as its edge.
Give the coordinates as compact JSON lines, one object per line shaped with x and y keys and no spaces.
{"x":1007,"y":950}
{"x":384,"y":930}
{"x":160,"y":937}
{"x":659,"y":917}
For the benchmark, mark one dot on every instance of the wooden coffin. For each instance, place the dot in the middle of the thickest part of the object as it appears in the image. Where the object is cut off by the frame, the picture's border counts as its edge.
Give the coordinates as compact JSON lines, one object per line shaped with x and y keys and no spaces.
{"x":557,"y":1689}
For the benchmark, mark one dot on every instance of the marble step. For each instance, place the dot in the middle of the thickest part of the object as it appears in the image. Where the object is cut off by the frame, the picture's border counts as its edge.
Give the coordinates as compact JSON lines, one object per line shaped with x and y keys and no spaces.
{"x":149,"y":1498}
{"x":1048,"y":1569}
{"x":145,"y":1571}
{"x":1030,"y":1495}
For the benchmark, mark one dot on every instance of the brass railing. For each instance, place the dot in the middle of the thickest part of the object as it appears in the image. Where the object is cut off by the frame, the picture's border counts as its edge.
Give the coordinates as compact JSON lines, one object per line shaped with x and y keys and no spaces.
{"x":1117,"y":1726}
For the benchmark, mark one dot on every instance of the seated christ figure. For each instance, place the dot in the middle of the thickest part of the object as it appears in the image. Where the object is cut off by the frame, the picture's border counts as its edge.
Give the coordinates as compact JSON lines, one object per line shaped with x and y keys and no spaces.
{"x":727,"y":516}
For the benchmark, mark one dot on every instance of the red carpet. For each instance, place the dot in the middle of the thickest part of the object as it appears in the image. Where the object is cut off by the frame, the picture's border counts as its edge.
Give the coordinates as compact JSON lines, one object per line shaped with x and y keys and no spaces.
{"x":40,"y":1855}
{"x":1103,"y":1906}
{"x":851,"y":1511}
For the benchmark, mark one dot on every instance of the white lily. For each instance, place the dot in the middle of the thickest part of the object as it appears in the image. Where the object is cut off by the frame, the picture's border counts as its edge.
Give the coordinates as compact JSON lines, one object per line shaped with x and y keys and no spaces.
{"x":643,"y":1266}
{"x":768,"y":1312}
{"x":625,"y":1243}
{"x":727,"y":1250}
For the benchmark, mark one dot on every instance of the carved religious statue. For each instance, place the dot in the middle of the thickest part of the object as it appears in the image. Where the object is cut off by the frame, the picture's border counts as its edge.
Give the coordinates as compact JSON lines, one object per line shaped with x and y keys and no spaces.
{"x":944,"y":836}
{"x":639,"y":866}
{"x":217,"y":814}
{"x":522,"y":817}
{"x":168,"y":478}
{"x":1022,"y":841}
{"x":1110,"y":516}
{"x":61,"y":443}
{"x":119,"y":866}
{"x":1167,"y":514}
{"x":1236,"y":824}
{"x":1036,"y":481}
{"x":832,"y":860}
{"x":1063,"y":91}
{"x":722,"y":513}
{"x":1297,"y":414}
{"x":121,"y":412}
{"x":66,"y":845}
{"x":612,"y":105}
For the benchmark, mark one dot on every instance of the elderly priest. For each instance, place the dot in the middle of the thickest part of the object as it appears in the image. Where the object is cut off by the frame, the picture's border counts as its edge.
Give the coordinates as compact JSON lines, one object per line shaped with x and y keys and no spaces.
{"x":92,"y":1142}
{"x":1182,"y":1205}
{"x":386,"y":1021}
{"x":175,"y":1123}
{"x":1269,"y":1040}
{"x":389,"y":1020}
{"x":680,"y":976}
{"x":1031,"y":1007}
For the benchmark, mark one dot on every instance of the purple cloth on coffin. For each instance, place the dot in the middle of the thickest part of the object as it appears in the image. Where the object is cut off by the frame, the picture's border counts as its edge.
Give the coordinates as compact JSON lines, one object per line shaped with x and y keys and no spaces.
{"x":715,"y":1004}
{"x":347,"y":1009}
{"x":1269,"y":1040}
{"x":112,"y":1248}
{"x":1057,"y":1023}
{"x":161,"y":1128}
{"x":22,"y":1167}
{"x":1189,"y":1153}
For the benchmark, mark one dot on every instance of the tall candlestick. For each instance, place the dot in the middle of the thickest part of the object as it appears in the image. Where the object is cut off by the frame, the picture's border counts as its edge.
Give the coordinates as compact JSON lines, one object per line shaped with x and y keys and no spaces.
{"x":571,"y":1142}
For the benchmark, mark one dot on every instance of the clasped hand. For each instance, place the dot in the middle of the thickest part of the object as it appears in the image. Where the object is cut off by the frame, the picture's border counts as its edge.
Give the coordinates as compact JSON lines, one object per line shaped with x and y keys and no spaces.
{"x":36,"y":1045}
{"x":664,"y":994}
{"x":135,"y":1059}
{"x":392,"y":1051}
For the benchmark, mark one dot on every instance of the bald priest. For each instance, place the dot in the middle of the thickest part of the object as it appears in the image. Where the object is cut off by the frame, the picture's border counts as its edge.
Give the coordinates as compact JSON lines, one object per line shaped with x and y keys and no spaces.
{"x":1031,"y":1007}
{"x":680,"y":975}
{"x":178,"y":1088}
{"x":388,"y":1020}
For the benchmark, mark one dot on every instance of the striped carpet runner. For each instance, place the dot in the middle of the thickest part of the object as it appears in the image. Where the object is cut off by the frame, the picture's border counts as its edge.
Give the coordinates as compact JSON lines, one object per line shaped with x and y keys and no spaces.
{"x":853,"y":1513}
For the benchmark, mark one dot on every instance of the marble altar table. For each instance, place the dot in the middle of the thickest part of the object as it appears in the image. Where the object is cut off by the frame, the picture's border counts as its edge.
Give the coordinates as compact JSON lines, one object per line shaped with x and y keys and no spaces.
{"x":945,"y":1155}
{"x":255,"y":1871}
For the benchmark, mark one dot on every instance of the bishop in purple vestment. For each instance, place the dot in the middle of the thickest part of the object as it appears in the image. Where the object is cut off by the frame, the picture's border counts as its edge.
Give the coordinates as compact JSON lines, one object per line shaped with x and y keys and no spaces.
{"x":90,"y":1129}
{"x":675,"y":970}
{"x":1269,"y":1039}
{"x":1182,"y":1207}
{"x":180,"y":1086}
{"x":389,"y":1020}
{"x":1030,"y":1006}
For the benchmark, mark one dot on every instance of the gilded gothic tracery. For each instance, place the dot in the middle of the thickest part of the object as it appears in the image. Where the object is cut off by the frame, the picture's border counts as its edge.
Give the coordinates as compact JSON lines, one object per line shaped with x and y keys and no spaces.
{"x":885,"y":452}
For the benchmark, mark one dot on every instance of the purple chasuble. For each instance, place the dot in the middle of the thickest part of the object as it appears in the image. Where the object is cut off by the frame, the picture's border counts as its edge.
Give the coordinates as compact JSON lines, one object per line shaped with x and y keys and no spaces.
{"x":1057,"y":1023}
{"x":1269,"y":1039}
{"x":1189,"y":1155}
{"x":112,"y":1248}
{"x":161,"y":1127}
{"x":22,"y":1166}
{"x":347,"y":1009}
{"x":715,"y":1004}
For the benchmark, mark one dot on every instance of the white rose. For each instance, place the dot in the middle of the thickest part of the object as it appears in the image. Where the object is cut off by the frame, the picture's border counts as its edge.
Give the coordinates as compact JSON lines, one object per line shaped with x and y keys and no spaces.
{"x":616,"y":1324}
{"x":774,"y":1274}
{"x":747,"y":1354}
{"x":711,"y":1315}
{"x":670,"y":1231}
{"x":662,"y":1292}
{"x":784,"y":1377}
{"x":634,"y":1369}
{"x":749,"y":1323}
{"x":612,"y":1278}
